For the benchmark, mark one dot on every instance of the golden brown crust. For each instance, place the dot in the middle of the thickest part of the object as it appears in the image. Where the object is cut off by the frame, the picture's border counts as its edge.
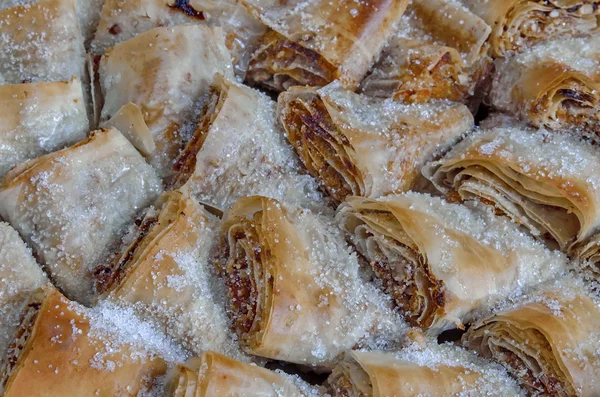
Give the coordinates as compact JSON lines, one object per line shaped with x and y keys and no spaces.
{"x":165,"y":275}
{"x":433,"y":370}
{"x":547,"y":344}
{"x":60,"y":353}
{"x":514,"y":168}
{"x":214,"y":374}
{"x":432,"y":56}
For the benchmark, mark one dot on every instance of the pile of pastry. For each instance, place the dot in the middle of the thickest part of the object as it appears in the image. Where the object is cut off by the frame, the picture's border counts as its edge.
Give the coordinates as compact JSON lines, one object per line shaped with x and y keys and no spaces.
{"x":299,"y":198}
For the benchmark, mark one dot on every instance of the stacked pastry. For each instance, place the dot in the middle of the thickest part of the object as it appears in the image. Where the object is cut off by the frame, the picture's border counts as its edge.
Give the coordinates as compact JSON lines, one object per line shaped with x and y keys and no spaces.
{"x":226,"y":242}
{"x":431,"y":56}
{"x":518,"y":24}
{"x":443,"y":262}
{"x":554,"y":85}
{"x":543,"y":181}
{"x":71,"y":205}
{"x":358,"y":146}
{"x":237,"y":149}
{"x":163,"y":273}
{"x":296,"y":292}
{"x":160,"y":73}
{"x":548,"y":341}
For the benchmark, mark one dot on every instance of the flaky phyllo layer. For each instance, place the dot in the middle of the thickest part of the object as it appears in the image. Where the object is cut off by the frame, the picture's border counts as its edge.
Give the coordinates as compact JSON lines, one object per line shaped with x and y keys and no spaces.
{"x":442,"y":262}
{"x":416,"y":71}
{"x":185,"y":164}
{"x":572,"y":100}
{"x":65,"y":349}
{"x":364,"y":147}
{"x":550,"y":344}
{"x":280,"y":63}
{"x":163,"y":273}
{"x":167,"y":79}
{"x":73,"y":204}
{"x":242,"y":121}
{"x":41,"y":41}
{"x":419,"y":370}
{"x":554,"y":85}
{"x":405,"y":273}
{"x":121,"y":21}
{"x":517,"y":24}
{"x":314,"y":43}
{"x":431,"y":56}
{"x":214,"y":374}
{"x":30,"y":311}
{"x":545,"y":182}
{"x":294,"y":289}
{"x":25,"y":110}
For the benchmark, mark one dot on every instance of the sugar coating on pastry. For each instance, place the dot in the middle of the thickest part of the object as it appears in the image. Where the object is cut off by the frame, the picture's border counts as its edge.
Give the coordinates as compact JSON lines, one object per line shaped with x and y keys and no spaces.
{"x":72,"y":205}
{"x":20,"y":275}
{"x":168,"y":276}
{"x":244,"y":153}
{"x":41,"y":42}
{"x":493,"y":380}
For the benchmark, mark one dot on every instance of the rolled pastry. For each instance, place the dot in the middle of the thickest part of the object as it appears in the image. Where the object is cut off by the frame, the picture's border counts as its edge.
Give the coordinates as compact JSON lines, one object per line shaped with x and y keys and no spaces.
{"x":162,"y":72}
{"x":61,"y":350}
{"x":41,"y":42}
{"x":295,"y":289}
{"x":549,"y":343}
{"x":163,"y":273}
{"x":314,"y":43}
{"x":71,"y":205}
{"x":238,"y":150}
{"x":358,"y":146}
{"x":545,"y":182}
{"x":555,"y":85}
{"x":443,"y":262}
{"x":517,"y":24}
{"x":431,"y":56}
{"x":433,"y":371}
{"x":21,"y":276}
{"x":216,"y":375}
{"x":121,"y":21}
{"x":39,"y":118}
